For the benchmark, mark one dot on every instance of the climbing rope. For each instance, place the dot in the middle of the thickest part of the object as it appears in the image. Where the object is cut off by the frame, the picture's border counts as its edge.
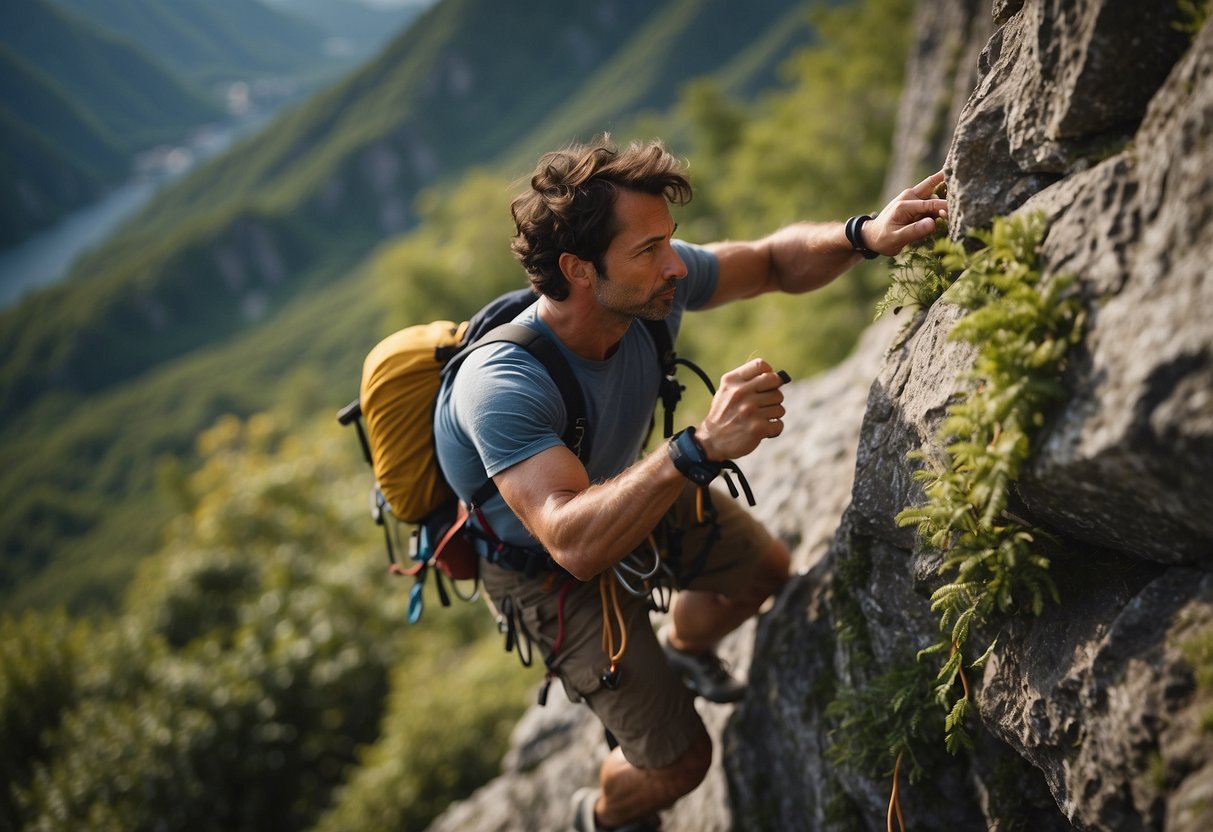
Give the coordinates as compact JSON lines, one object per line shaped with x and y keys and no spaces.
{"x":608,"y":593}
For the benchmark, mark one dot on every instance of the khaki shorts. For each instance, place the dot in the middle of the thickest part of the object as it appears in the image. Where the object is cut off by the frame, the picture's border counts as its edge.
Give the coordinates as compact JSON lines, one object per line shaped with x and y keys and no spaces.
{"x":651,"y":713}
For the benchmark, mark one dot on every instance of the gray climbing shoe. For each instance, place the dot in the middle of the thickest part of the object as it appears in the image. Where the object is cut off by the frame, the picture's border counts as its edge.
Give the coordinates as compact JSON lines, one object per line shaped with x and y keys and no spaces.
{"x":703,"y":673}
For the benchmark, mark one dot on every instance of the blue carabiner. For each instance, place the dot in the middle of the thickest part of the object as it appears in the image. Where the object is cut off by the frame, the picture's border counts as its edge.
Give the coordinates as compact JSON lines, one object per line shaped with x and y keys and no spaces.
{"x":416,"y":601}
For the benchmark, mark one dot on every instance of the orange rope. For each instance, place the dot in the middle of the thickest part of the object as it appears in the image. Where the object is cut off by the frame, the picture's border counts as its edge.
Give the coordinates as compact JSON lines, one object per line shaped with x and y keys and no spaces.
{"x":895,"y":799}
{"x":608,"y":587}
{"x":895,"y":794}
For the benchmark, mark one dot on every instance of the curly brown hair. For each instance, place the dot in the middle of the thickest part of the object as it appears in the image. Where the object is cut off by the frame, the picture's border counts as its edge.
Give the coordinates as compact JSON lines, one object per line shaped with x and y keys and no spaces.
{"x":569,"y":206}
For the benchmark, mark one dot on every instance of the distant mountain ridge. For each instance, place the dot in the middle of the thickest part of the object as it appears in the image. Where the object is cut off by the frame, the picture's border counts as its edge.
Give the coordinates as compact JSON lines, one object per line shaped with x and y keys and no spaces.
{"x":89,"y":83}
{"x":210,"y":41}
{"x":136,"y":100}
{"x":364,"y":27}
{"x":55,"y":154}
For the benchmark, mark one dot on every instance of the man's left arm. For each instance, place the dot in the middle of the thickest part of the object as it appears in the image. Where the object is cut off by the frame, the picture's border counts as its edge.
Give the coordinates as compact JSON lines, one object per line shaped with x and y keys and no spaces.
{"x":807,"y":256}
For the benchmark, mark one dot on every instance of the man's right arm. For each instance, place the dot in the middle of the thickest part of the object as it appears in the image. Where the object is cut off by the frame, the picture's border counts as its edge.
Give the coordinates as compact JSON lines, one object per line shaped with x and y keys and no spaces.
{"x":587,"y":528}
{"x":806,"y":256}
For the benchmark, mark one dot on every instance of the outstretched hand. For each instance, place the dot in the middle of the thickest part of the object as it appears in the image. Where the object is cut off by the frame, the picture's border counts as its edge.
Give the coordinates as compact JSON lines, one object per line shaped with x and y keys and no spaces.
{"x":909,"y":217}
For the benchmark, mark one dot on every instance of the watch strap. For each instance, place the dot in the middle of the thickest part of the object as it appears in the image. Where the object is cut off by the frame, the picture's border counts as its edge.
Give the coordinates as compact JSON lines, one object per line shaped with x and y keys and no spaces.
{"x":690,"y":459}
{"x":854,"y":231}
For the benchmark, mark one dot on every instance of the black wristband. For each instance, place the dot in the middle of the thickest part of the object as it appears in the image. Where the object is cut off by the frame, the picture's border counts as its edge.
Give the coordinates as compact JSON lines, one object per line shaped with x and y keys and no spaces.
{"x":690,"y":459}
{"x":854,"y":231}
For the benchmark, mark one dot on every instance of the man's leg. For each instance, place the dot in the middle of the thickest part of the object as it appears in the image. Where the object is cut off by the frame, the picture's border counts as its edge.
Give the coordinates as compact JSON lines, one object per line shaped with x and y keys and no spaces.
{"x":701,"y":618}
{"x":650,"y":711}
{"x":629,"y":793}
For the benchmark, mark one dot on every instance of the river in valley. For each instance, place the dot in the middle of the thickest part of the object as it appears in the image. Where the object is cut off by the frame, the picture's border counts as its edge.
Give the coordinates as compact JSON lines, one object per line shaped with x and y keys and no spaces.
{"x":47,"y":257}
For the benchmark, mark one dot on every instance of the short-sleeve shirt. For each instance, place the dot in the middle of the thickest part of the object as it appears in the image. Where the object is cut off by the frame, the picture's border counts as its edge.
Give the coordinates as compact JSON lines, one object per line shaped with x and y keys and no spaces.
{"x":502,"y":407}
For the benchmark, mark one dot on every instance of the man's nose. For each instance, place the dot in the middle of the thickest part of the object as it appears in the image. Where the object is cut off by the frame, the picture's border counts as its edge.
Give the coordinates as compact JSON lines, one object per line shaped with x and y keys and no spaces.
{"x":674,"y":267}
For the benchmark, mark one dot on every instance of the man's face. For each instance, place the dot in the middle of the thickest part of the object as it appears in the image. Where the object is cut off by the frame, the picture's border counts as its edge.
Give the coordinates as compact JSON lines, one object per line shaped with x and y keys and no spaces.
{"x":640,"y":267}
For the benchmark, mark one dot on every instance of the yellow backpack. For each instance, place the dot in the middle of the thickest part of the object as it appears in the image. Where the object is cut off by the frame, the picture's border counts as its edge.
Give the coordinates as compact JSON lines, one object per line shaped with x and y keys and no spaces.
{"x":400,"y":378}
{"x":394,"y":415}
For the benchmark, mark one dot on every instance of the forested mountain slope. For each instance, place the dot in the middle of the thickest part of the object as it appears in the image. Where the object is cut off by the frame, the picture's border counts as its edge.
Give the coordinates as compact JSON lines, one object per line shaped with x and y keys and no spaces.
{"x":226,"y":251}
{"x":80,"y":101}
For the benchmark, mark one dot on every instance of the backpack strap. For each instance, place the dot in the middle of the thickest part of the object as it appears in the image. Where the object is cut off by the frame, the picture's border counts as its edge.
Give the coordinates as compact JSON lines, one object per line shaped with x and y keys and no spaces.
{"x":576,"y":434}
{"x":500,"y":310}
{"x":670,"y":390}
{"x":659,"y":331}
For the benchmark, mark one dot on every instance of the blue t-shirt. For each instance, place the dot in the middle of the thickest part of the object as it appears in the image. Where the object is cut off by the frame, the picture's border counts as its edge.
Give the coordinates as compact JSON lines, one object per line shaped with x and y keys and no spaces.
{"x":503,"y":407}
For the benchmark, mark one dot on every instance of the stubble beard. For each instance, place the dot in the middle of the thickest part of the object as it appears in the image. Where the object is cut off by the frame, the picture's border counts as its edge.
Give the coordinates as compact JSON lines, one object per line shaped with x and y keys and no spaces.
{"x":656,"y":308}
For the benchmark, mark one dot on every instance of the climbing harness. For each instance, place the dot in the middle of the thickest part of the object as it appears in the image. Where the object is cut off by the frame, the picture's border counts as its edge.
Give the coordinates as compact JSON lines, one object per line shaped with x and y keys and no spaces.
{"x":434,"y":546}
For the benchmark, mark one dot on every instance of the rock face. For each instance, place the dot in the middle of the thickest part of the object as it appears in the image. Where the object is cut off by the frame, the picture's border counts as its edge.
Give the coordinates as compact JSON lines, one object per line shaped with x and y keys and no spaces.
{"x":1099,"y":114}
{"x":1096,"y":713}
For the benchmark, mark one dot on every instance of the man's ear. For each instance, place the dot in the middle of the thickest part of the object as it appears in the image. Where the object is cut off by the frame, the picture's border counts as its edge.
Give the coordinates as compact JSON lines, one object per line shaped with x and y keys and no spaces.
{"x":576,"y":270}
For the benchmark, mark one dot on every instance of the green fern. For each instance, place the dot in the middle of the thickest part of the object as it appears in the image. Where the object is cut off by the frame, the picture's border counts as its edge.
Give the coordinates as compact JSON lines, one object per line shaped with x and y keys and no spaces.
{"x":885,"y":719}
{"x":921,"y":273}
{"x":1193,"y":14}
{"x":1022,"y":325}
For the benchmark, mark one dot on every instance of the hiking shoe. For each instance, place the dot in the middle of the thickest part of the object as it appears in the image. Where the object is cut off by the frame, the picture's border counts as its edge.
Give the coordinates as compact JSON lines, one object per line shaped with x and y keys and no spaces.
{"x":583,"y":810}
{"x":703,"y":672}
{"x":584,"y":820}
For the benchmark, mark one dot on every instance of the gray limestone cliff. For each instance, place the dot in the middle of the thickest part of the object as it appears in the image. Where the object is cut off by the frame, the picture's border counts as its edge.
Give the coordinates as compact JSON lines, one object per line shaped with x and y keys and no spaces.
{"x":1098,"y":713}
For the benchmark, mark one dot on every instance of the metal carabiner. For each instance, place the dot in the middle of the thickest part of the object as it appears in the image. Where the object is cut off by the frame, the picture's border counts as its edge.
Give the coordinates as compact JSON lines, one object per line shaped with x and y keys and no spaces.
{"x":630,"y":568}
{"x":517,"y":637}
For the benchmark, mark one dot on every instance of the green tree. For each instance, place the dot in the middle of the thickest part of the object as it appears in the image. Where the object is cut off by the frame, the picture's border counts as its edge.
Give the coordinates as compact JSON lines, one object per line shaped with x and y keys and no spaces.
{"x":819,"y":149}
{"x":448,"y":723}
{"x":252,"y":660}
{"x":40,"y":655}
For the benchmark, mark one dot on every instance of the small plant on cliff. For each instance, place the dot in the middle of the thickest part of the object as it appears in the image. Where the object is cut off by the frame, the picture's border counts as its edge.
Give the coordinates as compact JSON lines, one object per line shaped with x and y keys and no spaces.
{"x":1198,"y":651}
{"x":887,"y":721}
{"x":1022,"y":325}
{"x":925,"y":269}
{"x":922,"y":273}
{"x":1192,"y":14}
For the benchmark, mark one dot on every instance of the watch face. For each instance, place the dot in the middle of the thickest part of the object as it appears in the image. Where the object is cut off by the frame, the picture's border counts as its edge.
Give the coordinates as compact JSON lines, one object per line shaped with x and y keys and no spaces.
{"x":688,"y":458}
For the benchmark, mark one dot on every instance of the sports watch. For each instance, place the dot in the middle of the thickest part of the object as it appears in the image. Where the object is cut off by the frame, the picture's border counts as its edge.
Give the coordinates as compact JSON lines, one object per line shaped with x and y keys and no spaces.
{"x":690,"y":459}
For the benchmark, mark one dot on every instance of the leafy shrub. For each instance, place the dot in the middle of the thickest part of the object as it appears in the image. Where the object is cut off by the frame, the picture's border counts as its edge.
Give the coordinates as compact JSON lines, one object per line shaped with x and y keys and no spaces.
{"x":1022,"y":324}
{"x":40,"y":654}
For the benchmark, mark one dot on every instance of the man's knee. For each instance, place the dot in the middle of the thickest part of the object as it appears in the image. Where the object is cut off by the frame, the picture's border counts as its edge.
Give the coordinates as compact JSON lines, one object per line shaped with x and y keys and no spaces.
{"x":630,"y":793}
{"x":688,"y":771}
{"x":775,"y":568}
{"x":769,"y":575}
